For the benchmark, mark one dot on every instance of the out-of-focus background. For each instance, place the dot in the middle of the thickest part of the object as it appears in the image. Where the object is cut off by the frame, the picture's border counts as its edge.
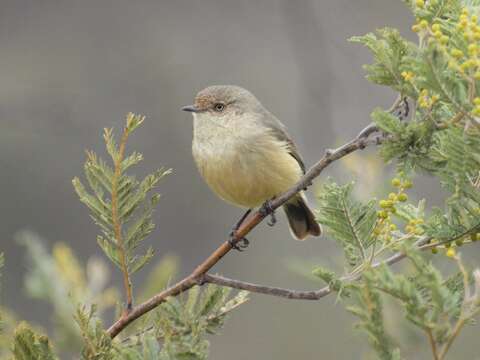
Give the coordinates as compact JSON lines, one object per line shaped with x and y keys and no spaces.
{"x":70,"y":68}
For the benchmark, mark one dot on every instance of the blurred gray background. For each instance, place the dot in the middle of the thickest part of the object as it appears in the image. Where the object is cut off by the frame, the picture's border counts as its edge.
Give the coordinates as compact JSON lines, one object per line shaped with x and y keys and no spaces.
{"x":70,"y":68}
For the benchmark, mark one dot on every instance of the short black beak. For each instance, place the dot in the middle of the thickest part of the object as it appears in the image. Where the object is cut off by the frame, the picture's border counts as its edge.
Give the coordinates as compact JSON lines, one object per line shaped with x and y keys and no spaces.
{"x":190,"y":108}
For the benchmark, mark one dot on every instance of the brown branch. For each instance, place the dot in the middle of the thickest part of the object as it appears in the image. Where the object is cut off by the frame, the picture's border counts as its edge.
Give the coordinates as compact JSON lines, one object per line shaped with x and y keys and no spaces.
{"x":116,"y":220}
{"x":267,"y":290}
{"x":296,"y":294}
{"x":196,"y":277}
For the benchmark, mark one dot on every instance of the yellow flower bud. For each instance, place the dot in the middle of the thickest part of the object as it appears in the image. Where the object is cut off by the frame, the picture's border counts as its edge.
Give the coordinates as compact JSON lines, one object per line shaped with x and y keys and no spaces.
{"x":468,"y":37}
{"x":444,"y":40}
{"x":418,"y":231}
{"x":476,"y":111}
{"x":423,"y":24}
{"x":383,"y":204}
{"x":457,"y":53}
{"x":402,"y":197}
{"x":423,"y":103}
{"x":472,"y":49}
{"x":436,"y":27}
{"x":382,"y":214}
{"x":408,"y":184}
{"x":396,"y":182}
{"x":420,"y":3}
{"x":451,"y":252}
{"x":464,"y":66}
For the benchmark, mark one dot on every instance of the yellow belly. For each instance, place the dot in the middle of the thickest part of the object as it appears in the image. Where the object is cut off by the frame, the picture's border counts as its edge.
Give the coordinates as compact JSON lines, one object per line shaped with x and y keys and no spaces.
{"x":248,"y":176}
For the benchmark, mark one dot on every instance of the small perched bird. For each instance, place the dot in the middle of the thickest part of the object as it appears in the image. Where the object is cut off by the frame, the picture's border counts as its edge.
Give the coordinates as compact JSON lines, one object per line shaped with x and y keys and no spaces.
{"x":246,"y":155}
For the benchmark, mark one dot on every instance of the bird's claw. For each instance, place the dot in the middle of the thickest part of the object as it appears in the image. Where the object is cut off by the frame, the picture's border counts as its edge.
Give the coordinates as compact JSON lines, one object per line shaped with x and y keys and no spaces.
{"x":267,"y":210}
{"x":273,"y":220}
{"x":239,"y":245}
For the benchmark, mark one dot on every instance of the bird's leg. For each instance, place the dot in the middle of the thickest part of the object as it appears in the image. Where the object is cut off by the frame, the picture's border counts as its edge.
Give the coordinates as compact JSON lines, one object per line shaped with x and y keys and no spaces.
{"x":242,"y":243}
{"x":266,"y":209}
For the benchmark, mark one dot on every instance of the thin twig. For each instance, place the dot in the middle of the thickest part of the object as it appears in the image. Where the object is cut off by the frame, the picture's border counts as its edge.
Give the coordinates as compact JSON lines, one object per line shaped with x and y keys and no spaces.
{"x":432,"y":342}
{"x":463,"y":317}
{"x":296,"y":294}
{"x":358,"y":143}
{"x":267,"y":290}
{"x":456,"y":330}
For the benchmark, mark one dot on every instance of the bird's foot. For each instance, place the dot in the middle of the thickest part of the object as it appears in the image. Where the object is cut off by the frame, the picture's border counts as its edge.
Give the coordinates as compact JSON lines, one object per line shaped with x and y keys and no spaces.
{"x":267,"y":210}
{"x":242,"y":243}
{"x":239,"y":245}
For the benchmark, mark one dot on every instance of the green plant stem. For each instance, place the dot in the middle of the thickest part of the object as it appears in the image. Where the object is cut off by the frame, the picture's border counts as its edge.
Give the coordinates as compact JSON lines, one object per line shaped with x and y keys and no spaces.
{"x":433,"y":344}
{"x":456,"y":330}
{"x":116,"y":219}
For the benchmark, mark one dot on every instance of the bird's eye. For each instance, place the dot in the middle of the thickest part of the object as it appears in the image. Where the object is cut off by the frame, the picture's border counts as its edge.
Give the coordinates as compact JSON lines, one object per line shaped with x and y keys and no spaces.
{"x":219,"y":107}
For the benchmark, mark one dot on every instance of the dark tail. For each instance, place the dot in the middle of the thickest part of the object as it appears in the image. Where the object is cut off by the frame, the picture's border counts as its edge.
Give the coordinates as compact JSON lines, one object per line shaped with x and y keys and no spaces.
{"x":301,"y":219}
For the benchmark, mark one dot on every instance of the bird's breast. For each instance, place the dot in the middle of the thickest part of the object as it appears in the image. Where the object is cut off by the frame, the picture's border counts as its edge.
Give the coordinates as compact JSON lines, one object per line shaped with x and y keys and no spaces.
{"x":245,"y":168}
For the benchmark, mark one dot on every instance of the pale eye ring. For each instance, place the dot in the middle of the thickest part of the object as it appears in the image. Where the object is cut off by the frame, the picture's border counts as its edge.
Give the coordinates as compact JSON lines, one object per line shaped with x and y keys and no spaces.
{"x":219,"y":107}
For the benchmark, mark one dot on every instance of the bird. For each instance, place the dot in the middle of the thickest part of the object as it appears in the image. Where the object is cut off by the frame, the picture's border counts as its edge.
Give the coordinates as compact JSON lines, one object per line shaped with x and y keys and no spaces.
{"x":246,"y":156}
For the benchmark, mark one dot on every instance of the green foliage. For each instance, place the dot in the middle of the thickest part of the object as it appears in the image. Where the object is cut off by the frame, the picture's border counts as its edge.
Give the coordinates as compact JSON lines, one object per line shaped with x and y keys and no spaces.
{"x":440,"y":76}
{"x":97,"y":343}
{"x":434,"y":304}
{"x":73,"y":285}
{"x":390,"y":51}
{"x":149,"y":350}
{"x":120,"y":204}
{"x":348,"y":221}
{"x":368,"y":308}
{"x":27,"y":345}
{"x":8,"y":325}
{"x":183,"y":325}
{"x":177,"y":329}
